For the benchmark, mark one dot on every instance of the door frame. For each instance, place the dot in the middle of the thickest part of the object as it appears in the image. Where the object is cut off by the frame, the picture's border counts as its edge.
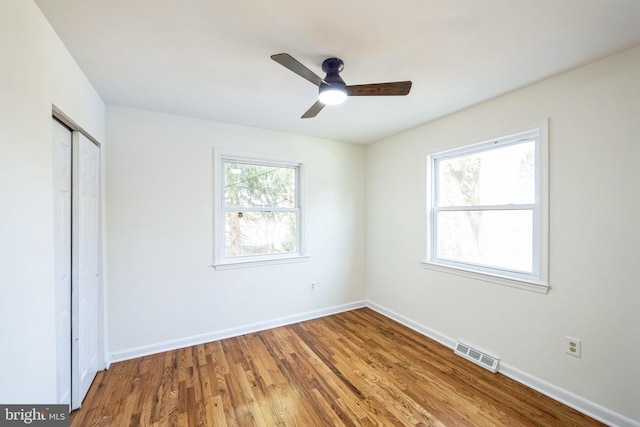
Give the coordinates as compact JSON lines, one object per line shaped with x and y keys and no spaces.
{"x":61,"y":117}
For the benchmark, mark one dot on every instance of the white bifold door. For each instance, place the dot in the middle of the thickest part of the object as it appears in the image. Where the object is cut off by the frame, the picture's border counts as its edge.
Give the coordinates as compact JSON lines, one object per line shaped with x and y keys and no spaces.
{"x":85,"y":279}
{"x":62,"y":236}
{"x":77,"y":215}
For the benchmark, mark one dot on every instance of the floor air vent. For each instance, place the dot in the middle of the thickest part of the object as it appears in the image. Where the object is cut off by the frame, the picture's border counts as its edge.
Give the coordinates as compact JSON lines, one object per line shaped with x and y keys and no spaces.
{"x":477,"y":357}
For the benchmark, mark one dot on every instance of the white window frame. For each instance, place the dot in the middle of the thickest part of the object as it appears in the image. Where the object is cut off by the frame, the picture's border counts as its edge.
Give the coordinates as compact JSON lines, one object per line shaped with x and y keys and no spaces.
{"x":221,"y":261}
{"x":538,"y":279}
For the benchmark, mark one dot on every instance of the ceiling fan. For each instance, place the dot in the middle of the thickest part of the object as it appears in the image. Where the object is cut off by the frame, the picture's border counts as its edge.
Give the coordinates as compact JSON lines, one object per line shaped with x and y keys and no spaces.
{"x":332,"y":90}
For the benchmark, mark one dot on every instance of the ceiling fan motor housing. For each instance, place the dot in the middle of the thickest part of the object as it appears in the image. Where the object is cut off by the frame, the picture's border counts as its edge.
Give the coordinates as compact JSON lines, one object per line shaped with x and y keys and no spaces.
{"x":333,"y":66}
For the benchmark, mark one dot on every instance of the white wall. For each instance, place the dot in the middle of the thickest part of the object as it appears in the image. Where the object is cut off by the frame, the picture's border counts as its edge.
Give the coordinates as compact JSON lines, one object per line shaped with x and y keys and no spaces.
{"x":162,"y":289}
{"x":594,"y":118}
{"x":36,"y":73}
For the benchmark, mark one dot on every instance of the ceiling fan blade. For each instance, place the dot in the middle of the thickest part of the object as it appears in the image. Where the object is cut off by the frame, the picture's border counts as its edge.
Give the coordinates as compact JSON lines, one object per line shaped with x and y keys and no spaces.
{"x":313,"y":111}
{"x":380,"y":89}
{"x":289,"y":62}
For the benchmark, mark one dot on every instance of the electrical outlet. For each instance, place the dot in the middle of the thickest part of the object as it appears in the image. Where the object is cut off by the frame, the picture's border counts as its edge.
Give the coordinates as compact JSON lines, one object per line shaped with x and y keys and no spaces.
{"x":312,"y":287}
{"x":573,"y":346}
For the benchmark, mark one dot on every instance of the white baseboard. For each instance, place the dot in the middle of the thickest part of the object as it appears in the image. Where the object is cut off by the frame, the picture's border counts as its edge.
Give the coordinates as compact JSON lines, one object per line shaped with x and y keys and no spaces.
{"x":160,"y":347}
{"x":572,"y":400}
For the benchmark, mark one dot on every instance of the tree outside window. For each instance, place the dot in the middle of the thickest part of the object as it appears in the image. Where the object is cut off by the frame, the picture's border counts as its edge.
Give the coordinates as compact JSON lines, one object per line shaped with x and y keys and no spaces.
{"x":261,"y":209}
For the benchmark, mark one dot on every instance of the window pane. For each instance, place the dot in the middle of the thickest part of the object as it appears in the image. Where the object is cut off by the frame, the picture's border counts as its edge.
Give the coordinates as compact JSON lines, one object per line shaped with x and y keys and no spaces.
{"x":260,"y":233}
{"x":492,"y":177}
{"x":499,"y":239}
{"x":250,"y":185}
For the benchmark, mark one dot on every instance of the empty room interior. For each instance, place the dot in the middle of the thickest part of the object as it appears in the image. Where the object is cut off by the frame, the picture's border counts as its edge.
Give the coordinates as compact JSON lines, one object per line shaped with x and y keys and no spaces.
{"x":293,"y":213}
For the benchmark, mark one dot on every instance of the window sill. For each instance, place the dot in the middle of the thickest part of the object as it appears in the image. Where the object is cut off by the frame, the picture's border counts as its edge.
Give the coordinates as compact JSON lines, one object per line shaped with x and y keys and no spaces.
{"x":499,"y":280}
{"x":248,"y":263}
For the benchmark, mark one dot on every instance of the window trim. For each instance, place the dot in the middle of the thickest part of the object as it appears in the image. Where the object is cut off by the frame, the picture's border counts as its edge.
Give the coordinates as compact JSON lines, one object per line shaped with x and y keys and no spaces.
{"x":538,"y":281}
{"x":221,"y":262}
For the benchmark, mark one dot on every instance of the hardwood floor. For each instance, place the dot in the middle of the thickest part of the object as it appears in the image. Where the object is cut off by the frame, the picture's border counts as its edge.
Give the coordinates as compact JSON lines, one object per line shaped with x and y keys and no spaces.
{"x":357,"y":368}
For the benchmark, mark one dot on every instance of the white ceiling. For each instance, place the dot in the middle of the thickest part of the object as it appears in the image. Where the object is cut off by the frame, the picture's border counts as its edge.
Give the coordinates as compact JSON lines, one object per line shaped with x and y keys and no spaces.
{"x":210,"y":59}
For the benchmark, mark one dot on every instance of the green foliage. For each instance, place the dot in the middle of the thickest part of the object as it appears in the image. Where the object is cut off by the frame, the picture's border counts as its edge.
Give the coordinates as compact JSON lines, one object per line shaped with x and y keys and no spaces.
{"x":254,"y":198}
{"x":248,"y":185}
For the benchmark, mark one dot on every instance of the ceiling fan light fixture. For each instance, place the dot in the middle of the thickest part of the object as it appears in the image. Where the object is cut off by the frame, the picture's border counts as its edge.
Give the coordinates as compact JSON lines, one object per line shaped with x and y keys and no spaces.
{"x":332,"y":95}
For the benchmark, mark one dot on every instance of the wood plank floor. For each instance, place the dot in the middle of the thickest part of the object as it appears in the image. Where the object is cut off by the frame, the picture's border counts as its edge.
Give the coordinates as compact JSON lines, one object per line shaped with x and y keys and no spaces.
{"x":357,"y":368}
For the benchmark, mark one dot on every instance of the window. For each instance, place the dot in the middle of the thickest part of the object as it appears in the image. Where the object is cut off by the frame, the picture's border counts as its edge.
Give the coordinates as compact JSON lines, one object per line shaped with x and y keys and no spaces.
{"x":258,"y":211}
{"x":487,"y":209}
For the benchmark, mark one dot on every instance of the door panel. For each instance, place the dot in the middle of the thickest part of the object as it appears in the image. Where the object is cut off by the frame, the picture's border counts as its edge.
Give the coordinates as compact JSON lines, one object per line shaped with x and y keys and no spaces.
{"x":62,"y":238}
{"x":86,"y":266}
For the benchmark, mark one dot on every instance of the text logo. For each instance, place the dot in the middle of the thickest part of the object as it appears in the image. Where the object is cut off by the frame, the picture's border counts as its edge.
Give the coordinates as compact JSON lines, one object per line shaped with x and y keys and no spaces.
{"x":34,"y":415}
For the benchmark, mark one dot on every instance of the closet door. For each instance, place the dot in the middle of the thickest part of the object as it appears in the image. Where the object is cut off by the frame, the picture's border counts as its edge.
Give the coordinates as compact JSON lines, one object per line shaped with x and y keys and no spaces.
{"x":85,"y":265}
{"x":62,"y":238}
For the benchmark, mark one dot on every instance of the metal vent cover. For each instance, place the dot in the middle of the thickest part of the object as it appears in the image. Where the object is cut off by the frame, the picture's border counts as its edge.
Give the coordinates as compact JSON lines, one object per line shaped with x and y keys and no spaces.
{"x":476,"y":356}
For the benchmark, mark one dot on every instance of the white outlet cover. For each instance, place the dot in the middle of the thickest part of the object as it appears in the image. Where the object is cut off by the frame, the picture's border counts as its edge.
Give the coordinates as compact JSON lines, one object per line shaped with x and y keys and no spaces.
{"x":573,"y":346}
